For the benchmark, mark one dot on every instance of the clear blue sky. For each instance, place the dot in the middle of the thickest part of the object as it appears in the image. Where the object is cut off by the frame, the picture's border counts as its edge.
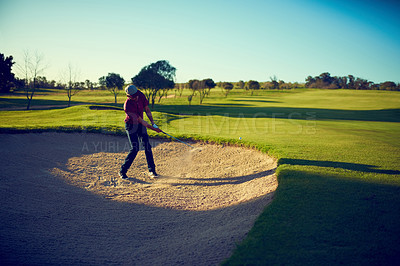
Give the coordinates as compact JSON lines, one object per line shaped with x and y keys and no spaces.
{"x":223,"y":40}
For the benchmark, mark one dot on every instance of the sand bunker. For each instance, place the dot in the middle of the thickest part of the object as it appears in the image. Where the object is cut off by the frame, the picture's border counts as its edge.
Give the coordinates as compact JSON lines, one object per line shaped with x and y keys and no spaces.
{"x":208,"y":178}
{"x":62,"y":201}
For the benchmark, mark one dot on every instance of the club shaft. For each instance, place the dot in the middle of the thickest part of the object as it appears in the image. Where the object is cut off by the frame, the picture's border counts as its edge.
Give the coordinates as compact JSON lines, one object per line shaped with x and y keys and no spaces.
{"x":177,"y":139}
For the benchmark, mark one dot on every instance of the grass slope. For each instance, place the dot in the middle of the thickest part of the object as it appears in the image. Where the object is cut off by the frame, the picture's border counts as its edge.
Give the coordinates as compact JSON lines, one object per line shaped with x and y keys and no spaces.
{"x":339,"y":174}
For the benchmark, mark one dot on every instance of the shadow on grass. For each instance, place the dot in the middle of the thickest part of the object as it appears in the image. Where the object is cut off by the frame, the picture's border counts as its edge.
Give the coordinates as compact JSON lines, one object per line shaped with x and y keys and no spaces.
{"x":19,"y":104}
{"x":347,"y":166}
{"x":325,"y":220}
{"x":254,"y":100}
{"x":105,"y":107}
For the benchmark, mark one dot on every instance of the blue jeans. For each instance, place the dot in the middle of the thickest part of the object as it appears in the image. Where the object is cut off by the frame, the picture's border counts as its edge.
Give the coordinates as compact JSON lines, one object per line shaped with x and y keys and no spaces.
{"x":136,"y":133}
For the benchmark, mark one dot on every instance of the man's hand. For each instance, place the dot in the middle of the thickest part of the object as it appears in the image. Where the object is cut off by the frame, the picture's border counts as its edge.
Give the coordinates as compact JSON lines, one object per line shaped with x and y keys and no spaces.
{"x":156,"y":128}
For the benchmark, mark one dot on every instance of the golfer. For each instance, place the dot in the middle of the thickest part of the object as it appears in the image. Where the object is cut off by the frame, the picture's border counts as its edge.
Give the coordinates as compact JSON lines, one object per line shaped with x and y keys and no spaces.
{"x":135,"y":128}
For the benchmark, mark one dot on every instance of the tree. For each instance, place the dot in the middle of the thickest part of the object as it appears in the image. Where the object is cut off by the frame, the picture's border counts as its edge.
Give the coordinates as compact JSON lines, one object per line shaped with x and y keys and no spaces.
{"x":205,"y":86}
{"x":326,"y":81}
{"x":113,"y":82}
{"x":350,"y":84}
{"x":202,"y":87}
{"x":155,"y":77}
{"x":19,"y":83}
{"x":227,"y":86}
{"x":31,"y":69}
{"x":6,"y":76}
{"x":309,"y":81}
{"x":89,"y":85}
{"x":388,"y":85}
{"x":163,"y":93}
{"x":72,"y":86}
{"x":362,"y":84}
{"x":253,"y":85}
{"x":179,"y":87}
{"x":274,"y":83}
{"x":241,"y":84}
{"x":282,"y":84}
{"x":194,"y":86}
{"x":342,"y":82}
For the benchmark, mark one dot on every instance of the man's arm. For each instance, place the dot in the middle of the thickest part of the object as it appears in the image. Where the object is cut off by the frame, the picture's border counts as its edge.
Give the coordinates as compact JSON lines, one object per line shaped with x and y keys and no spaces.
{"x":144,"y":123}
{"x":137,"y":118}
{"x":149,"y":115}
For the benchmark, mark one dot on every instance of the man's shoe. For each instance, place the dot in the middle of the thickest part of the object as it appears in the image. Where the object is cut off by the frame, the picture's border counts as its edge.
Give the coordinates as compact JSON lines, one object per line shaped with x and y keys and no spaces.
{"x":153,"y":175}
{"x":123,"y":175}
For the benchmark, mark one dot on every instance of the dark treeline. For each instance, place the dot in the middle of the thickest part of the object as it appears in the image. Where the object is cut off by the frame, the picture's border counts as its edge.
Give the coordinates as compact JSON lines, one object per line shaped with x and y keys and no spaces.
{"x":42,"y":82}
{"x":326,"y":81}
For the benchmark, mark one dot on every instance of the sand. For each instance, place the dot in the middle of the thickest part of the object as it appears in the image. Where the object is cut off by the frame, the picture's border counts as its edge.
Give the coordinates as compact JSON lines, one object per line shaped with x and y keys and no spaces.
{"x":62,"y":201}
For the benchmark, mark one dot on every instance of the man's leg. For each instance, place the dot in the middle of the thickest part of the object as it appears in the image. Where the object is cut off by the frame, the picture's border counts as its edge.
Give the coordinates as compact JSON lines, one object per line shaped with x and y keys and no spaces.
{"x":131,"y":131}
{"x":147,"y":149}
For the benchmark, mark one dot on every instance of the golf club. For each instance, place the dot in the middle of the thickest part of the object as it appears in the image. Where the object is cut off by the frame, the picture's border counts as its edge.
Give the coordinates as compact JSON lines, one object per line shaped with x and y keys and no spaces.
{"x":178,"y":140}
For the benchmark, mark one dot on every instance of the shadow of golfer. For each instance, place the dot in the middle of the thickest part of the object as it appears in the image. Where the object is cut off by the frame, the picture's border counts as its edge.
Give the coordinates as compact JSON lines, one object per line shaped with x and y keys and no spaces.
{"x":225,"y":181}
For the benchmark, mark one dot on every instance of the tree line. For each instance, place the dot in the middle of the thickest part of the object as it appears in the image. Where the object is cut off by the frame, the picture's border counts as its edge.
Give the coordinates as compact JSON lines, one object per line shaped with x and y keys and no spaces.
{"x":151,"y":79}
{"x":157,"y":79}
{"x":326,"y":81}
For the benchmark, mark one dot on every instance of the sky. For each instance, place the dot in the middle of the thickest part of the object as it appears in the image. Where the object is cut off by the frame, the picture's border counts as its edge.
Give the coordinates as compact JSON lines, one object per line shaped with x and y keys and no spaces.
{"x":228,"y":40}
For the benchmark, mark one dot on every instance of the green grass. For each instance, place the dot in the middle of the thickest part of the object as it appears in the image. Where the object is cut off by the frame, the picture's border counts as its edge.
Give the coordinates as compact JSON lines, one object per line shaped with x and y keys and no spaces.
{"x":338,"y":199}
{"x":318,"y":219}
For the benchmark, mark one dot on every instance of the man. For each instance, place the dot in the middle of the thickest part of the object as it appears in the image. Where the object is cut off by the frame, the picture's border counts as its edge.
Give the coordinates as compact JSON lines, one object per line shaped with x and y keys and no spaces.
{"x":135,"y":128}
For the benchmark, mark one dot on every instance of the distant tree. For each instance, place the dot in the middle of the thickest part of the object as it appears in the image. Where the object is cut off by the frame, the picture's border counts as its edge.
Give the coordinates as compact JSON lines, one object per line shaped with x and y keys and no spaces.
{"x":202,"y":87}
{"x":209,"y":84}
{"x":194,"y":86}
{"x":388,"y":85}
{"x":42,"y":82}
{"x":19,"y":83}
{"x":89,"y":85}
{"x":309,"y":81}
{"x":241,"y":84}
{"x":71,"y":86}
{"x":60,"y":86}
{"x":227,"y":86}
{"x":190,"y":98}
{"x":326,"y":81}
{"x":52,"y":84}
{"x":155,"y":77}
{"x":295,"y":85}
{"x":350,"y":83}
{"x":274,"y":85}
{"x":205,"y":86}
{"x":163,"y":93}
{"x":6,"y":76}
{"x":362,"y":84}
{"x":342,"y":82}
{"x":253,"y":85}
{"x":178,"y":88}
{"x":282,"y":84}
{"x":32,"y":67}
{"x":113,"y":82}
